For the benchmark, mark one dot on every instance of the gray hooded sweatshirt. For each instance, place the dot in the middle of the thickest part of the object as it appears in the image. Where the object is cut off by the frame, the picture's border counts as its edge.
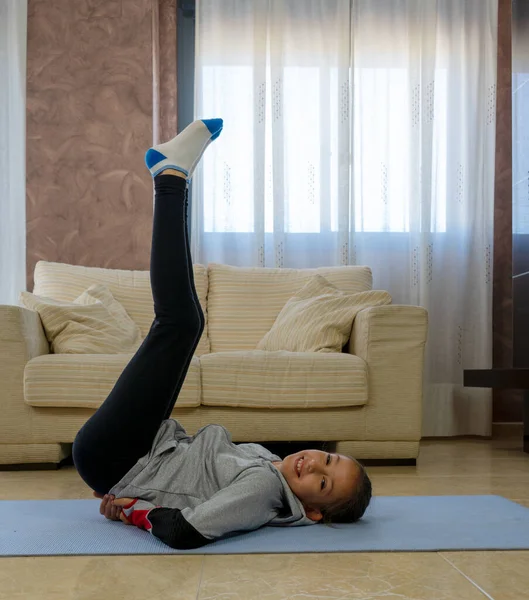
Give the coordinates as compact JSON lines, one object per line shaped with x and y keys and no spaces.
{"x":191,"y":490}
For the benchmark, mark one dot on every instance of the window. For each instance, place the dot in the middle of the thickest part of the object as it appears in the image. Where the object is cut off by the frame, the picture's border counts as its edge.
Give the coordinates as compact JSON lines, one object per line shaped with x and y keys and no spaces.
{"x":377,"y":187}
{"x":309,"y":150}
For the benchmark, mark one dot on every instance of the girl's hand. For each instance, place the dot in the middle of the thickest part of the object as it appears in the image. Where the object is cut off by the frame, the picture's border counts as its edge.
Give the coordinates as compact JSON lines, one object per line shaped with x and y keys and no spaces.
{"x":119,"y":503}
{"x":110,"y":511}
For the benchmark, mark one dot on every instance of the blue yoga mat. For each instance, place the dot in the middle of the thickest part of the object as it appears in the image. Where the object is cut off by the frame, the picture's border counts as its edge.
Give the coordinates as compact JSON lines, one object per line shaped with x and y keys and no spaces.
{"x":391,"y":523}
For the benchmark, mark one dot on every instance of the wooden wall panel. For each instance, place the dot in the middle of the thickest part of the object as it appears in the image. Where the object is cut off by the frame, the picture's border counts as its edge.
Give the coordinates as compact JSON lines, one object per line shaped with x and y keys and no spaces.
{"x":506,"y":403}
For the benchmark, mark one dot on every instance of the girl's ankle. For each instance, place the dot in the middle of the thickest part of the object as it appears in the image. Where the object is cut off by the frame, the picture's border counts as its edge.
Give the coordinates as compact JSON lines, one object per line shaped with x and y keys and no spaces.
{"x":173,"y":172}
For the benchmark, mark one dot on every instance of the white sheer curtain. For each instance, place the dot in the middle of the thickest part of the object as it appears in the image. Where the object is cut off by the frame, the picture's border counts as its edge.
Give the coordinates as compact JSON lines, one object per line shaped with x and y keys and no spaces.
{"x":13,"y":36}
{"x":360,"y":132}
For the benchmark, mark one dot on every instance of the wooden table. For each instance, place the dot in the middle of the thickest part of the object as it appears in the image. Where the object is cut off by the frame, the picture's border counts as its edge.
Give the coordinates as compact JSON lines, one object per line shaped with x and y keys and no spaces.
{"x":506,"y":379}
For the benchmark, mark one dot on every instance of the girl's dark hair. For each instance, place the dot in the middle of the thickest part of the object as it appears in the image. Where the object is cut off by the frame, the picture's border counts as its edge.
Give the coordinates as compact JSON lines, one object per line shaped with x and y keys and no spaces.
{"x":355,"y":506}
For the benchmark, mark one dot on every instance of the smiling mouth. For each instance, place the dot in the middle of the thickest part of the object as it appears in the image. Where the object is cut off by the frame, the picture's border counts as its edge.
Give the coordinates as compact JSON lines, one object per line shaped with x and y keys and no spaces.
{"x":299,"y":465}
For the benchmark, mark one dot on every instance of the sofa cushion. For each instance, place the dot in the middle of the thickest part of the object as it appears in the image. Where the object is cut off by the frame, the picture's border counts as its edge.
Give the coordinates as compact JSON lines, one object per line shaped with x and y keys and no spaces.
{"x":94,"y":323}
{"x":243,"y":302}
{"x":318,"y":318}
{"x":131,"y":288}
{"x":85,"y":380}
{"x":259,"y":379}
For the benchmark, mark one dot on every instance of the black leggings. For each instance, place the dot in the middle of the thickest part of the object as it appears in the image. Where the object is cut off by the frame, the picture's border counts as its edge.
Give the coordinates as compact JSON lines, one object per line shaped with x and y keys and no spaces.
{"x":125,"y":425}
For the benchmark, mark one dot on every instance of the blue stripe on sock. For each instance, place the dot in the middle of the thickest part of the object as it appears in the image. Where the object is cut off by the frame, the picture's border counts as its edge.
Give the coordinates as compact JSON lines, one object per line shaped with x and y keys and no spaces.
{"x":215,"y":126}
{"x":153,"y":157}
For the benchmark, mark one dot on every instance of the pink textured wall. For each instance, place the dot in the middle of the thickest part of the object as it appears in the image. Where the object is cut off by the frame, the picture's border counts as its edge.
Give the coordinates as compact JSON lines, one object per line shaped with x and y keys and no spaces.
{"x":89,"y":123}
{"x":165,"y":29}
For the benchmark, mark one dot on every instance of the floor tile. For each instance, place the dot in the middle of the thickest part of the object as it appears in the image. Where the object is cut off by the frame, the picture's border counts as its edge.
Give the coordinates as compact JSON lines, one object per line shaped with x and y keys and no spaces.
{"x":522,"y":502}
{"x":100,"y":577}
{"x":404,"y":485}
{"x":366,"y":576}
{"x":502,"y":575}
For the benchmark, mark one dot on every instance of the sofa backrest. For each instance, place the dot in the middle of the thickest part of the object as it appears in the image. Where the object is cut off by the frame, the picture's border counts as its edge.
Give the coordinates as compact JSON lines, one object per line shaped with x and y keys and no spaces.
{"x":243,"y":302}
{"x":131,"y":288}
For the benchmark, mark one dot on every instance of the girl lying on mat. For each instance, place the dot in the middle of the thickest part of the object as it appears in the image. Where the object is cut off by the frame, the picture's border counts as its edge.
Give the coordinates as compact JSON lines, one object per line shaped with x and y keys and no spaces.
{"x":190,"y":490}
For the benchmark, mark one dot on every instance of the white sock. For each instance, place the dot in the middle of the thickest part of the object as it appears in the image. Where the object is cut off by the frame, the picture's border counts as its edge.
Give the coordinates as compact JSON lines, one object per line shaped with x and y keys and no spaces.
{"x":184,"y":151}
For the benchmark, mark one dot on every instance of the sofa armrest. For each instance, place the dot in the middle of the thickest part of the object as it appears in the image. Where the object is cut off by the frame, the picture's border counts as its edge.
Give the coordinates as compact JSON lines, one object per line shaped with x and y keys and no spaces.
{"x":22,"y":338}
{"x":391,"y":340}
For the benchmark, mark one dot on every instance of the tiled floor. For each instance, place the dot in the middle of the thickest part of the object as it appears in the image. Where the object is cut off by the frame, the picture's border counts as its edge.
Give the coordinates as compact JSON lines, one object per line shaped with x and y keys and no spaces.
{"x":444,"y":467}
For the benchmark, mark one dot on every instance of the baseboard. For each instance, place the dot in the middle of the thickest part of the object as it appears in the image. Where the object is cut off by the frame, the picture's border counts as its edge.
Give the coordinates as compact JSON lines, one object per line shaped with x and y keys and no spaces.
{"x":65,"y":462}
{"x":507,"y":430}
{"x":453,"y":438}
{"x":30,"y":467}
{"x":388,"y":462}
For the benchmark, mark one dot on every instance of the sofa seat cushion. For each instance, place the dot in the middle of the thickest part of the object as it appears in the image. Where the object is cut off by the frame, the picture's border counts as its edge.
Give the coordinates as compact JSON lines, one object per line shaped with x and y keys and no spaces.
{"x":281,"y":379}
{"x":85,"y":380}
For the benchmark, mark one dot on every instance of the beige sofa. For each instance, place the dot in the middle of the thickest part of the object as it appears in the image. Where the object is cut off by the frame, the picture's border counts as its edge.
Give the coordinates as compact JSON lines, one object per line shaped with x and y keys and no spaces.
{"x":368,"y":398}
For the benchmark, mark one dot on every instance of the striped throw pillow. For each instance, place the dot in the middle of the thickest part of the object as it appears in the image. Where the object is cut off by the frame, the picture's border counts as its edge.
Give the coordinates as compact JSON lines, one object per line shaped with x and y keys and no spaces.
{"x":318,"y":318}
{"x":94,"y":323}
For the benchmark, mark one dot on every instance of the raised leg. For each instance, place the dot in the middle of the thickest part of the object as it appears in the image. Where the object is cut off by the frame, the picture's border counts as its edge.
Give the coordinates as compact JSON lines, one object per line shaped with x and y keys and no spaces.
{"x":124,"y":427}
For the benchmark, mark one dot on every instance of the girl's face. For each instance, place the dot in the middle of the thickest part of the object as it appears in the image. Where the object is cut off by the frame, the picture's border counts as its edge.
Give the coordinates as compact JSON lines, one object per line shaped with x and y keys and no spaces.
{"x":319,"y":479}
